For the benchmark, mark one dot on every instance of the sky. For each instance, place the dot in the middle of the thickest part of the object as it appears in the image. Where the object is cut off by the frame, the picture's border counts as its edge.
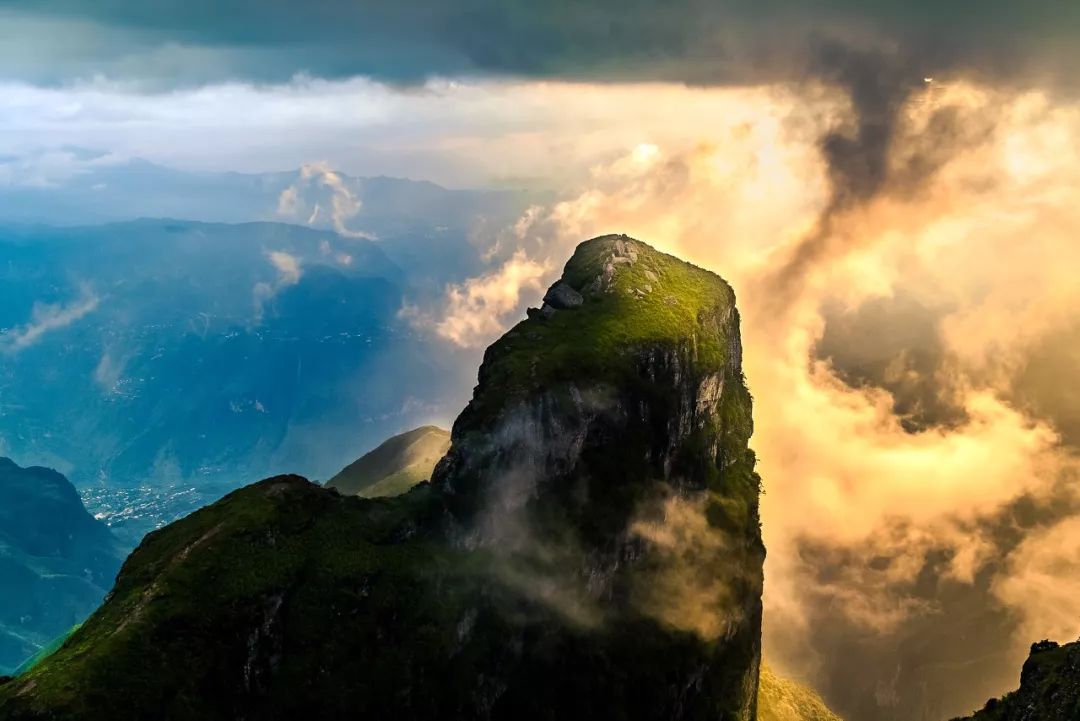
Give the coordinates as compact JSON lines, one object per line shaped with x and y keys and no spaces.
{"x":890,"y":187}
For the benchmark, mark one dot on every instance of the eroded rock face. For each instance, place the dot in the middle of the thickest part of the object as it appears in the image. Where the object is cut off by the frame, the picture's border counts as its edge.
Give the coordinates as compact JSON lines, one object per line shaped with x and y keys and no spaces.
{"x":589,"y":547}
{"x":562,"y":297}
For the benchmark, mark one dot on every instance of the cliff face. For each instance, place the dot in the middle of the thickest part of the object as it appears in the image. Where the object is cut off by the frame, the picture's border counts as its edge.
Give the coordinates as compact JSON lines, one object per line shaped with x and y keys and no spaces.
{"x":589,"y":546}
{"x":605,"y":451}
{"x":1049,"y":688}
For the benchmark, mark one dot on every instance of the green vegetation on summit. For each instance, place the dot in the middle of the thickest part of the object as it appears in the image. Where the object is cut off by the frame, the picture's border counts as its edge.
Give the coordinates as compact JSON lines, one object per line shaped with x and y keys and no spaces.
{"x":589,"y":547}
{"x":780,"y":699}
{"x":395,"y":466}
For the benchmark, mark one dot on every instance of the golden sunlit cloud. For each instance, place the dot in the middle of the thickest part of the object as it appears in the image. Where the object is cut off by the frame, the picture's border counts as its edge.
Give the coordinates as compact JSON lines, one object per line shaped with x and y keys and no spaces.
{"x":976,"y":217}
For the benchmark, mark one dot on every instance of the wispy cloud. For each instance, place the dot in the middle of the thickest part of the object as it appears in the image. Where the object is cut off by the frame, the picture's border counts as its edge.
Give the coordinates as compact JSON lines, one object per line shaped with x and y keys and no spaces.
{"x":320,"y":191}
{"x":289,"y":271}
{"x":46,"y":318}
{"x":477,"y":311}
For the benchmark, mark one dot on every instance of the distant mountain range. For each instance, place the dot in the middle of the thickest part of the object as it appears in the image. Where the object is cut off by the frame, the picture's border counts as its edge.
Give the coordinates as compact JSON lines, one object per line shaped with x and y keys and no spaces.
{"x":56,"y":560}
{"x":159,"y":362}
{"x":181,"y":357}
{"x":103,"y":190}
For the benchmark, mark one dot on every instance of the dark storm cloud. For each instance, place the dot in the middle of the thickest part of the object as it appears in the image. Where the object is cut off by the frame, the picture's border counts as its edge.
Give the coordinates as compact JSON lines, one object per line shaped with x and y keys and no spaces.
{"x":895,"y":344}
{"x":698,"y":41}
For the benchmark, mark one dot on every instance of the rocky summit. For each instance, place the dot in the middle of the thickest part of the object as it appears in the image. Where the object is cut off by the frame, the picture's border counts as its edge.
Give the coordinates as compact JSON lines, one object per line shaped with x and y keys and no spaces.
{"x":589,"y":547}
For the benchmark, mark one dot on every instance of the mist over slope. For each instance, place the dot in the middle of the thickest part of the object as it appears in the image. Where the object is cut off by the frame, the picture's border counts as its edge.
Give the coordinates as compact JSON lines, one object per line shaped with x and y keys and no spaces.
{"x":395,"y":460}
{"x":781,"y":699}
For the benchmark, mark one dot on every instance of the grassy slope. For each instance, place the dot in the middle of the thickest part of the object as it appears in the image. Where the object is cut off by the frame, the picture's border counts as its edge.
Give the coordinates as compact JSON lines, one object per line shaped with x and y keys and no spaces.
{"x":46,"y":651}
{"x":56,"y":560}
{"x":780,"y":699}
{"x":283,"y":533}
{"x":395,"y":466}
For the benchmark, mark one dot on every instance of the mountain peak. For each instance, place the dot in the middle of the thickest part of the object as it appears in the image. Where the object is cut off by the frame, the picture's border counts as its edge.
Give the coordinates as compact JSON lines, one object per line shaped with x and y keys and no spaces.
{"x":395,"y":466}
{"x":633,"y":297}
{"x":589,"y":546}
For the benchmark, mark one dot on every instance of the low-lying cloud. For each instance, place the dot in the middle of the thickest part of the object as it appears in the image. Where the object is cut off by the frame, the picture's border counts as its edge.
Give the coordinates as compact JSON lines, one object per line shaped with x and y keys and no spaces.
{"x":318,"y":192}
{"x":289,"y":271}
{"x":46,"y":318}
{"x":477,"y":311}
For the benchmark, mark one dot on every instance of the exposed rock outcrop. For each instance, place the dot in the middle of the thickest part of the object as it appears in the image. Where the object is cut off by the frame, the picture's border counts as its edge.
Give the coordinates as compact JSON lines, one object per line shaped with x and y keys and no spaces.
{"x":561,"y":296}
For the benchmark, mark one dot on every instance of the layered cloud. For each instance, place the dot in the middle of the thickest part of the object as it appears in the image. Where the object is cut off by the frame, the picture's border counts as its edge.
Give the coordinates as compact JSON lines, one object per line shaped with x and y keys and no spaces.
{"x":687,"y":40}
{"x":47,"y":318}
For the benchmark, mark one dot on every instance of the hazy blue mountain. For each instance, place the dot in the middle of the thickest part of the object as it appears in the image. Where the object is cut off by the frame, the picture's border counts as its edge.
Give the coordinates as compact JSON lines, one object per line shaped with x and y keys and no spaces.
{"x":161,"y":363}
{"x":101,"y":190}
{"x":56,"y":561}
{"x":426,"y":226}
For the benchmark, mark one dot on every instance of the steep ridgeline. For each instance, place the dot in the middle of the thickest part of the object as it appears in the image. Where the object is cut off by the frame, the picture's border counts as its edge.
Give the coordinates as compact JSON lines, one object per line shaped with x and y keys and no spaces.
{"x":56,"y":560}
{"x":1049,"y":688}
{"x":588,"y":548}
{"x":395,"y":466}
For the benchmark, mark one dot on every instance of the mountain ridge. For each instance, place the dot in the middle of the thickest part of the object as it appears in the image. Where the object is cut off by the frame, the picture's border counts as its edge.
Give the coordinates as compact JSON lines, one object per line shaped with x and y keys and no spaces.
{"x":395,"y":465}
{"x":56,"y":560}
